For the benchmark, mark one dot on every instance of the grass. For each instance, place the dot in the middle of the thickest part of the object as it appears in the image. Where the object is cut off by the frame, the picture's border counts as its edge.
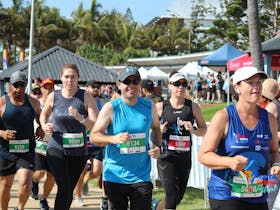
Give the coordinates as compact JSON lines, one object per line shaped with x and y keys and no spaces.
{"x":209,"y":111}
{"x":193,"y":199}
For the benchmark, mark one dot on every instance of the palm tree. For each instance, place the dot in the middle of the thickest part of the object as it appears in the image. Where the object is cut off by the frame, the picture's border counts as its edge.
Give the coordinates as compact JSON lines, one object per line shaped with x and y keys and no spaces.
{"x":175,"y":40}
{"x":254,"y":34}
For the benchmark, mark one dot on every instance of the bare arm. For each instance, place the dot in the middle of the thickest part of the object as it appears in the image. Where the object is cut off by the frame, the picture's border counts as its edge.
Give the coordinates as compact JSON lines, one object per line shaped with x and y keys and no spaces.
{"x":98,"y":136}
{"x":274,"y":148}
{"x":201,"y":124}
{"x":215,"y":133}
{"x":92,"y":110}
{"x":45,"y":114}
{"x":272,"y":108}
{"x":155,"y":128}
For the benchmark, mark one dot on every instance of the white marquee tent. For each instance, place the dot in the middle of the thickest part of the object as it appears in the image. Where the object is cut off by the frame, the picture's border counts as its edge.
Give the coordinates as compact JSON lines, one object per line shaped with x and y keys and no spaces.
{"x":191,"y":69}
{"x":156,"y":74}
{"x":143,"y":73}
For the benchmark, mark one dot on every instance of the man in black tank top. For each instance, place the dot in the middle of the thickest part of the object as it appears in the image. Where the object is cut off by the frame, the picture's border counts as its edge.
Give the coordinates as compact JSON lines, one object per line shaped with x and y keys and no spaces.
{"x":17,"y":140}
{"x":147,"y":91}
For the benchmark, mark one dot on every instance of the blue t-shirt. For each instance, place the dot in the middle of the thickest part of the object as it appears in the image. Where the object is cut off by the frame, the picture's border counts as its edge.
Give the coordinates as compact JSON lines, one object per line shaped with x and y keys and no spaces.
{"x":249,"y":184}
{"x":129,"y":163}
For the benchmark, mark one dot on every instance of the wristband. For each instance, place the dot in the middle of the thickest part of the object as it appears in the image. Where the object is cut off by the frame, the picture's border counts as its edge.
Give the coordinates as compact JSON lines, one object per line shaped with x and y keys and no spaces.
{"x":276,"y":164}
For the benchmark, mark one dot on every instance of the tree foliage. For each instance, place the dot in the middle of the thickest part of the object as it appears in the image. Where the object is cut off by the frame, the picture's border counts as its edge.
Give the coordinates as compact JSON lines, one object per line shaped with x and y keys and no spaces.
{"x":109,"y":37}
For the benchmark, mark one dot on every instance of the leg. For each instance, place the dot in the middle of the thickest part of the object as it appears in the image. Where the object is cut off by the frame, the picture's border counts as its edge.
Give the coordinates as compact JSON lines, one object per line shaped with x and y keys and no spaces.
{"x":59,"y":168}
{"x":140,"y":196}
{"x":78,"y":189}
{"x":117,"y":195}
{"x":95,"y":172}
{"x":48,"y":185}
{"x":25,"y":182}
{"x":5,"y":189}
{"x":168,"y":176}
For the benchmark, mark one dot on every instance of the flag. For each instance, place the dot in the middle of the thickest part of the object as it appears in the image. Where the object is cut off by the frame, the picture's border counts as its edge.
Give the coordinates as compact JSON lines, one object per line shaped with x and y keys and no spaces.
{"x":5,"y":59}
{"x":21,"y":56}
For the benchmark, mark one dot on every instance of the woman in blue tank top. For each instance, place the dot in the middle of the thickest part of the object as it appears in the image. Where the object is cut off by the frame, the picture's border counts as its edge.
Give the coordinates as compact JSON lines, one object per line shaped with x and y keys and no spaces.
{"x":66,"y":151}
{"x":239,"y":145}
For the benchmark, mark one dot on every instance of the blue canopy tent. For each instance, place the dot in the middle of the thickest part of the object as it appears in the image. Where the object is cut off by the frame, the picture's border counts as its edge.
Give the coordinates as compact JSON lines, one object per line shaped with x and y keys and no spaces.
{"x":220,"y":57}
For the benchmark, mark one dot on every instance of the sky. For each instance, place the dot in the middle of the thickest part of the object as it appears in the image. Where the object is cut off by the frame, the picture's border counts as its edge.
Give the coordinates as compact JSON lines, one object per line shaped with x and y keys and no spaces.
{"x":142,"y":10}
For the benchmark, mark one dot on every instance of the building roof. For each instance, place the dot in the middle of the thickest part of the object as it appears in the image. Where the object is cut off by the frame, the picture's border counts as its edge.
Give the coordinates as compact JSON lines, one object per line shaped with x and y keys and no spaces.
{"x":50,"y":62}
{"x":272,"y":45}
{"x":167,"y":63}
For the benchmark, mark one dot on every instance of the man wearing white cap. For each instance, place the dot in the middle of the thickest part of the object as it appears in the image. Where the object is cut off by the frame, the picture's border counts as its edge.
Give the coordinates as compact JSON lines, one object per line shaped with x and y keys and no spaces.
{"x":17,"y":140}
{"x":239,"y":145}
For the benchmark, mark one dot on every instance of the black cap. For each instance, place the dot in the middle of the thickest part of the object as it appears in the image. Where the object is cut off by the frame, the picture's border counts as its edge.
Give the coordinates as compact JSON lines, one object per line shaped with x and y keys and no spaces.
{"x":128,"y":71}
{"x":147,"y":84}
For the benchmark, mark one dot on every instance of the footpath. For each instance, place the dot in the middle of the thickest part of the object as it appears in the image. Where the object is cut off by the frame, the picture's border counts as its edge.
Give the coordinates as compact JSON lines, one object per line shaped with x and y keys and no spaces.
{"x":92,"y":200}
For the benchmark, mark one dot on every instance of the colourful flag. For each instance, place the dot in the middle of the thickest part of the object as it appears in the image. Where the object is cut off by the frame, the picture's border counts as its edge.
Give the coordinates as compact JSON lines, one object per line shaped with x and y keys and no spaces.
{"x":5,"y":59}
{"x":21,"y":56}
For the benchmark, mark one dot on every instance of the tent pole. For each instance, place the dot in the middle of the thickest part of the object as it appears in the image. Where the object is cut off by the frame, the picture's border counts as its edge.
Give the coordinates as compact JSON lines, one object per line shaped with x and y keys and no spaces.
{"x":228,"y":86}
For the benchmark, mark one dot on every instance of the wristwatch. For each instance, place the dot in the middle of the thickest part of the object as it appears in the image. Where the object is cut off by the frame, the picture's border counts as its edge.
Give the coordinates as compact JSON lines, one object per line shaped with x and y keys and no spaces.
{"x":82,"y":121}
{"x":193,"y":130}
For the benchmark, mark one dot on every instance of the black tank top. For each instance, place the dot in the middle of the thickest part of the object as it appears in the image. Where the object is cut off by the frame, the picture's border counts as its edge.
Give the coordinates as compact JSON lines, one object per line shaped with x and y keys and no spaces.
{"x":19,"y":118}
{"x":64,"y":123}
{"x":173,"y":117}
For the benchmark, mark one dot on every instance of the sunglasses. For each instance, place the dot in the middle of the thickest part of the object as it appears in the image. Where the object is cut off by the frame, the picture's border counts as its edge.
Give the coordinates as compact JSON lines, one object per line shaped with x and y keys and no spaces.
{"x":19,"y":85}
{"x":95,"y":87}
{"x":177,"y":84}
{"x":129,"y":82}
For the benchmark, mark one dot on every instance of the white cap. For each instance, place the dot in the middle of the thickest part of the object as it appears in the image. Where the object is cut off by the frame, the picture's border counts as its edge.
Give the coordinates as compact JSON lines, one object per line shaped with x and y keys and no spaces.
{"x":246,"y":72}
{"x":177,"y":76}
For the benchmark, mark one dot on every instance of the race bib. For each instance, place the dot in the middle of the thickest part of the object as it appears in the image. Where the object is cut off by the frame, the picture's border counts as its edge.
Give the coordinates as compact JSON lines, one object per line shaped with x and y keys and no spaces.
{"x":137,"y":144}
{"x":19,"y":146}
{"x":241,"y":189}
{"x":41,"y":147}
{"x":73,"y":140}
{"x":179,"y":143}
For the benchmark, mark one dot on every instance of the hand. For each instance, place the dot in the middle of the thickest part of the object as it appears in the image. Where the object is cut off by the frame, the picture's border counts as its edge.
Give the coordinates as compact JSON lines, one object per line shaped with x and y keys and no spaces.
{"x":39,"y":134}
{"x":154,"y":152}
{"x":275,"y":170}
{"x":9,"y":134}
{"x":121,"y":138}
{"x":238,"y":162}
{"x":163,"y":127}
{"x":187,"y":125}
{"x":48,"y":128}
{"x":75,"y":113}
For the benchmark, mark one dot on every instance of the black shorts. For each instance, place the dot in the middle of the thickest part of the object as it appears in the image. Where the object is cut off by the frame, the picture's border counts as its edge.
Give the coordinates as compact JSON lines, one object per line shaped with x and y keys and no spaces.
{"x":139,"y":194}
{"x":8,"y":167}
{"x":96,"y":153}
{"x":41,"y":162}
{"x":236,"y":204}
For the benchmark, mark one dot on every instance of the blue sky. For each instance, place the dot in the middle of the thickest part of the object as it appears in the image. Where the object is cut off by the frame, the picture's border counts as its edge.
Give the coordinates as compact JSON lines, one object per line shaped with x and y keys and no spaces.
{"x":142,"y":10}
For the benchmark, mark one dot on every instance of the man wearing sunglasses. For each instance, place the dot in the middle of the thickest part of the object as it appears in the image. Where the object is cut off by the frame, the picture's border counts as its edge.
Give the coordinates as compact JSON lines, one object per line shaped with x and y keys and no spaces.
{"x":17,"y":140}
{"x":127,"y":164}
